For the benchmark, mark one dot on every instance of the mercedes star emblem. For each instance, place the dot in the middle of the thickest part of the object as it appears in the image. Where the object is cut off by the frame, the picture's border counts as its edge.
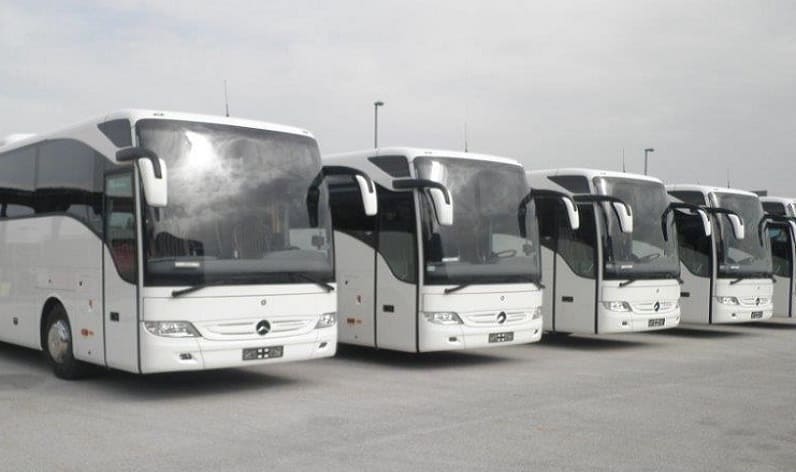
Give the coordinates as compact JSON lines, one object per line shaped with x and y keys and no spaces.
{"x":263,"y":327}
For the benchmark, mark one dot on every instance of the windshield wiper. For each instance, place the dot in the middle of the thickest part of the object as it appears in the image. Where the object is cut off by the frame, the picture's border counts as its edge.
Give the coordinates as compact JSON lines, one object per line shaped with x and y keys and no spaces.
{"x":319,"y":283}
{"x":456,"y":288}
{"x":628,"y":281}
{"x":194,"y":288}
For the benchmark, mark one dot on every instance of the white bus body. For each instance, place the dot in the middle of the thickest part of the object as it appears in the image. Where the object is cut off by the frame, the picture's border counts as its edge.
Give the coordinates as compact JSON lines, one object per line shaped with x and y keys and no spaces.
{"x":430,"y":274}
{"x":727,"y":276}
{"x":214,"y":264}
{"x":610,"y":275}
{"x":782,"y":235}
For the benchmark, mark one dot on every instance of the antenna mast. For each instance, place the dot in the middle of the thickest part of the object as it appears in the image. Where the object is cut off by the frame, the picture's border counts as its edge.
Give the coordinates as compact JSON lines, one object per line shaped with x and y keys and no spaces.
{"x":465,"y":137}
{"x":623,"y":160}
{"x":226,"y":98}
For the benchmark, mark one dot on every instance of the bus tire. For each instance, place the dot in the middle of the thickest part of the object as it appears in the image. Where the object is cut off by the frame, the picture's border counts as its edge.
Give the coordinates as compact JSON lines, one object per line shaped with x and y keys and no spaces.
{"x":58,"y":346}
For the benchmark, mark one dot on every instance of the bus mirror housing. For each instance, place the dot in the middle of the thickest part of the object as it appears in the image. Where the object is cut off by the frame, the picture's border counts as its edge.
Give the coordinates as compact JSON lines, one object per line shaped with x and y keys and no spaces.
{"x":703,"y":215}
{"x":572,"y":213}
{"x":737,"y":226}
{"x":624,"y":215}
{"x":440,"y":196}
{"x":153,"y":172}
{"x":368,"y":191}
{"x":705,"y":222}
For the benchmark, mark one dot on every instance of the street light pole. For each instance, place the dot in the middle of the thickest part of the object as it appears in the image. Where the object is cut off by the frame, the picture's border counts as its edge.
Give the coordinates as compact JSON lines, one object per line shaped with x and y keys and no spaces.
{"x":376,"y":106}
{"x":646,"y":152}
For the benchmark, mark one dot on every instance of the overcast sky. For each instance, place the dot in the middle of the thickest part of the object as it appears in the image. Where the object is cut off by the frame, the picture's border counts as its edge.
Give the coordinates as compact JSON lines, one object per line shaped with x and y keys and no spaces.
{"x":710,"y":85}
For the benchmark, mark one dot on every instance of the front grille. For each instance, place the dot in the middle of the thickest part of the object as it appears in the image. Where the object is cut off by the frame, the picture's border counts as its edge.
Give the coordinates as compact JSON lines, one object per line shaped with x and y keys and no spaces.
{"x":753,"y":301}
{"x":247,"y":329}
{"x":649,"y":307}
{"x":490,"y":318}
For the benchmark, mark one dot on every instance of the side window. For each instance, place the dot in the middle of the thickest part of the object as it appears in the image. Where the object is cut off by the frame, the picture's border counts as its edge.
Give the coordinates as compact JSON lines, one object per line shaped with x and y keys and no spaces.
{"x":69,"y":180}
{"x":781,"y":250}
{"x":348,"y":213}
{"x":577,"y":247}
{"x":694,"y":246}
{"x":17,"y":182}
{"x":396,"y":234}
{"x":573,"y":183}
{"x":120,"y":224}
{"x":694,"y":198}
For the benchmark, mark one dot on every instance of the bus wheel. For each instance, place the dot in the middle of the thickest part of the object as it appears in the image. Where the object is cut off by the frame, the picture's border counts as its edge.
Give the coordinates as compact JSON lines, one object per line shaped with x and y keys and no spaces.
{"x":58,"y":346}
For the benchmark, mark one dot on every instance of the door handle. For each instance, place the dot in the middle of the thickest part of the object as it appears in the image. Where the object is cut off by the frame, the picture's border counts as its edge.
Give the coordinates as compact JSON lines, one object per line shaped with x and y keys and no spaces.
{"x":114,"y":316}
{"x":388,"y":308}
{"x":567,"y":299}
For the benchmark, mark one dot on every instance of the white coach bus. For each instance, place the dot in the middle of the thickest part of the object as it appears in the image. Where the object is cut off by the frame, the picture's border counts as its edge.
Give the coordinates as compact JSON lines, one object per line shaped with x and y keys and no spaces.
{"x":619,"y":271}
{"x":782,"y":236}
{"x":727,"y":275}
{"x":450,"y":262}
{"x":153,"y":241}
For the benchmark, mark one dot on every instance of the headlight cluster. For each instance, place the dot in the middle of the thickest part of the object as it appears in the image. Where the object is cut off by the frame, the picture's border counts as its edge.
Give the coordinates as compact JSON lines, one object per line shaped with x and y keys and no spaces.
{"x":443,"y":318}
{"x":172,"y":329}
{"x":536,"y":313}
{"x":617,"y":306}
{"x":327,"y":320}
{"x":727,"y":300}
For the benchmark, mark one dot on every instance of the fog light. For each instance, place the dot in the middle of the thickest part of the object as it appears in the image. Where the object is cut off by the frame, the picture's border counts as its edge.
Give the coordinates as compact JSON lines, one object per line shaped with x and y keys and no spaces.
{"x":186,"y":356}
{"x":322,"y":345}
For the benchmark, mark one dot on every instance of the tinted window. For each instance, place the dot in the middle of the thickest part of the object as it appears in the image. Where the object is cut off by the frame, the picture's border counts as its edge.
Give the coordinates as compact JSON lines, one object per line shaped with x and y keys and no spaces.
{"x":118,"y":131}
{"x":69,"y":180}
{"x":395,"y":166}
{"x":120,"y":225}
{"x":774,"y":208}
{"x":573,"y":183}
{"x":17,"y":182}
{"x":577,"y":246}
{"x":694,"y":247}
{"x":547,"y":211}
{"x":348,"y":213}
{"x":396,"y":236}
{"x":694,"y":198}
{"x":781,"y":247}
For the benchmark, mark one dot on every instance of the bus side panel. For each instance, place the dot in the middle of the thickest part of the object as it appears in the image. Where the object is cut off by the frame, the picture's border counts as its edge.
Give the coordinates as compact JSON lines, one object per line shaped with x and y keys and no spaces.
{"x":575,"y":299}
{"x":396,"y":310}
{"x":20,"y":306}
{"x":694,"y":297}
{"x":355,"y":272}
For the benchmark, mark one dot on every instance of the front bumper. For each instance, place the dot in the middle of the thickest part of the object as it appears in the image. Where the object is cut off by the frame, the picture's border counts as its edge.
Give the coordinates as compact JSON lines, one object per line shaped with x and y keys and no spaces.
{"x":162,"y":354}
{"x":436,"y":337}
{"x":610,"y":322}
{"x":723,"y":313}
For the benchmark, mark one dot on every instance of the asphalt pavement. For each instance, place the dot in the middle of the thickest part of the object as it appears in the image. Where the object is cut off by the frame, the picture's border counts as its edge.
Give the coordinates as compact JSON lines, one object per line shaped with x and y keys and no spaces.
{"x":695,"y":398}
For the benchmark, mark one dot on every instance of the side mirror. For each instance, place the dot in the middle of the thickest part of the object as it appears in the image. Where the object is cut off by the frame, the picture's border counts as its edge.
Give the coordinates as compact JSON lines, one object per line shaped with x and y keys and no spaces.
{"x":737,"y":226}
{"x":443,"y":206}
{"x":792,"y":227}
{"x":624,"y":215}
{"x":368,"y":191}
{"x":572,"y":213}
{"x":153,"y":172}
{"x":703,"y":215}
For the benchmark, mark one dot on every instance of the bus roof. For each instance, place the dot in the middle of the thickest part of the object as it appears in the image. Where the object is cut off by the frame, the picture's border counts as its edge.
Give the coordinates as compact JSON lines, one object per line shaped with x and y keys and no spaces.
{"x":591,"y":173}
{"x":411,"y":153}
{"x":135,"y":115}
{"x":707,"y":189}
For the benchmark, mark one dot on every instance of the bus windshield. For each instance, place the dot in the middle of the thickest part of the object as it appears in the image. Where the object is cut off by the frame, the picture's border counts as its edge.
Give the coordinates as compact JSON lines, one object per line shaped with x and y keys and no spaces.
{"x":237,"y":208}
{"x":644,"y":253}
{"x":748,"y":257}
{"x":484,"y":244}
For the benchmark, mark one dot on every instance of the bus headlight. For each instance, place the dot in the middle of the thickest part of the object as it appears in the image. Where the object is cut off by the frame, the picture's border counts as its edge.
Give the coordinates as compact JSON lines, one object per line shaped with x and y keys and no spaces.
{"x":536,"y":313}
{"x":172,"y":329}
{"x":727,"y":300}
{"x":327,"y":320}
{"x":444,"y":318}
{"x":617,"y":306}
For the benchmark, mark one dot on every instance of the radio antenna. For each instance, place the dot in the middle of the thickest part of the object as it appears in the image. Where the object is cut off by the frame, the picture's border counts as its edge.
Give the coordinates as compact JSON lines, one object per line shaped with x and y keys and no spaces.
{"x":465,"y":137}
{"x":623,"y":160}
{"x":226,"y":98}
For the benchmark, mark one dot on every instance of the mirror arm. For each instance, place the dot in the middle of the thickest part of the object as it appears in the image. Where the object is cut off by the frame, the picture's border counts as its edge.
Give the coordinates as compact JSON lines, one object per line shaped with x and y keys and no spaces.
{"x":411,"y":184}
{"x":676,"y":206}
{"x":587,"y":198}
{"x":344,"y":170}
{"x":135,"y":153}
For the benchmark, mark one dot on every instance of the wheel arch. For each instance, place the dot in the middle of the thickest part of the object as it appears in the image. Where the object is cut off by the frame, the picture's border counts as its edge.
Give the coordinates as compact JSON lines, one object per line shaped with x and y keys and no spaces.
{"x":51,"y":302}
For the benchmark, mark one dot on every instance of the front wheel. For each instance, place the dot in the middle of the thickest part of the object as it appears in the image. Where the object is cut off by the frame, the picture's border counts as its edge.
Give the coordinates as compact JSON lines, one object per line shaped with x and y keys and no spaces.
{"x":58,"y":347}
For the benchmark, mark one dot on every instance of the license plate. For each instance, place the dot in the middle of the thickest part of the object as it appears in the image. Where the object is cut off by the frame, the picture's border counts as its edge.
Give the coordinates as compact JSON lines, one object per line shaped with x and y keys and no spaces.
{"x":756,"y":315}
{"x":501,"y":337}
{"x":656,"y":322}
{"x":260,"y":353}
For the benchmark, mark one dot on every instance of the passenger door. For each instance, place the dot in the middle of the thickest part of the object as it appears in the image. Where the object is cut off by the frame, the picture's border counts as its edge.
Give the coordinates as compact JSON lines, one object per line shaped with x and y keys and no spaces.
{"x":695,"y":251}
{"x":120,"y":268}
{"x":396,"y":271}
{"x":782,"y":258}
{"x":576,"y":274}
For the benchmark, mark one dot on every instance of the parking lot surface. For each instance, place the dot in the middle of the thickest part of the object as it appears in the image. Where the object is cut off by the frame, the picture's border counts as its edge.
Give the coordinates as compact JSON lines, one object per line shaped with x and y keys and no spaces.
{"x":697,"y":398}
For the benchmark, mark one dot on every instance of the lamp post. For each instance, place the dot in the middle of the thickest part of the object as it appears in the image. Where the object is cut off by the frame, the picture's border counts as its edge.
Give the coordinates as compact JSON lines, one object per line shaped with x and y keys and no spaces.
{"x":646,"y":152}
{"x":376,"y":106}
